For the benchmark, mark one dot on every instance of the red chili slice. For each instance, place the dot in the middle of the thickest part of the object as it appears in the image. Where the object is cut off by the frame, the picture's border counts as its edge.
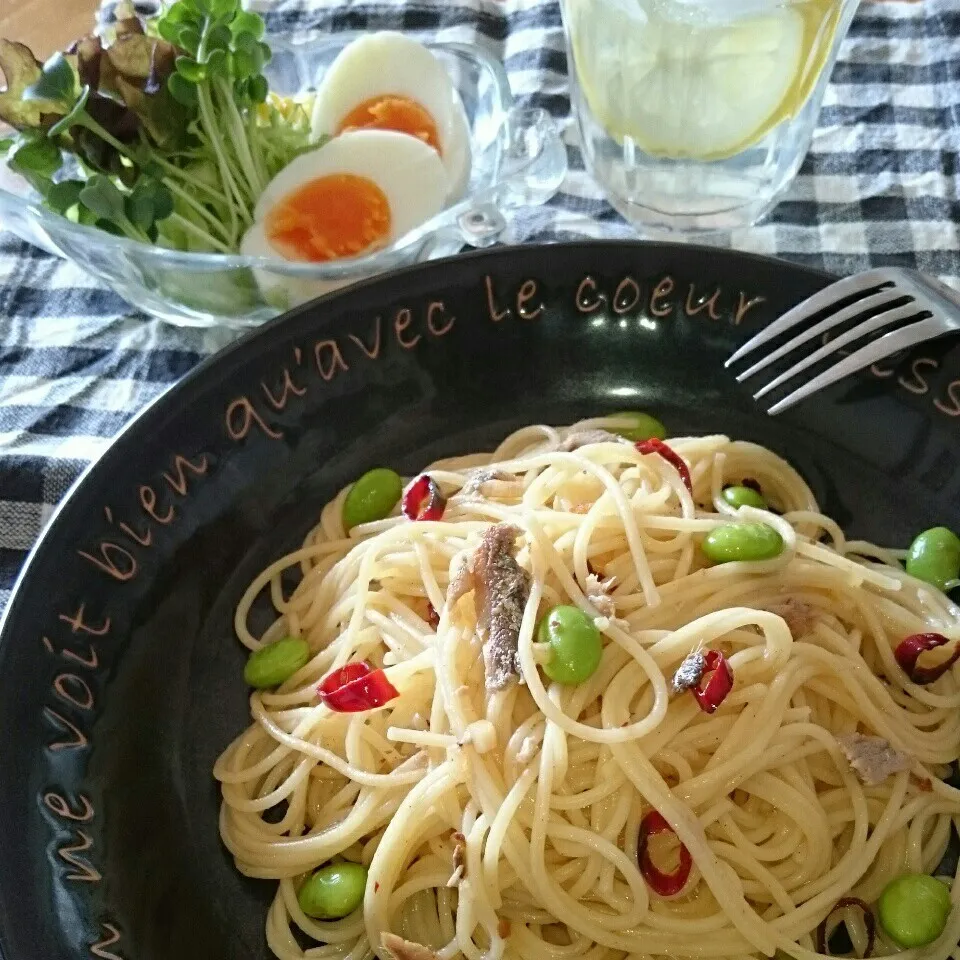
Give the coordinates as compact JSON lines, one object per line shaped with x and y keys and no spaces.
{"x":423,"y":499}
{"x":433,"y":618}
{"x":711,"y":694}
{"x":908,"y":652}
{"x":356,"y":687}
{"x":670,"y":455}
{"x":665,"y":884}
{"x":868,"y":921}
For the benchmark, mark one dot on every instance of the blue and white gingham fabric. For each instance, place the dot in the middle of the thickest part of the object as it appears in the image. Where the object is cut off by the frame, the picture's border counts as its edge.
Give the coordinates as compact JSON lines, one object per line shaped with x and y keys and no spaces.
{"x":881,"y":186}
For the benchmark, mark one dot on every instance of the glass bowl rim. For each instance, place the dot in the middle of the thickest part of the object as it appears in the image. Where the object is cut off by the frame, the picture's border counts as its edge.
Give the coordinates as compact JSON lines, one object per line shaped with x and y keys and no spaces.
{"x":204,"y":261}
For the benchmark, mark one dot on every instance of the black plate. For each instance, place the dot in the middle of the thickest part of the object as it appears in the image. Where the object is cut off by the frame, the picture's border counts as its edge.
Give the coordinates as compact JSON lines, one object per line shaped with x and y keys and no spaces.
{"x":121,"y":676}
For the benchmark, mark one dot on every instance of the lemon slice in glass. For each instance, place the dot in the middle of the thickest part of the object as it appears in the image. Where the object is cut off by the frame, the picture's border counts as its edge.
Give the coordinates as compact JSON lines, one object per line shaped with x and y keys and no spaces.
{"x":690,"y":85}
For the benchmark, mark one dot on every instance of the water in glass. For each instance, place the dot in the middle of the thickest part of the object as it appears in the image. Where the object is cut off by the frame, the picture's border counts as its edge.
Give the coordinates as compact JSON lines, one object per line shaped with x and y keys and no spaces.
{"x":696,"y":114}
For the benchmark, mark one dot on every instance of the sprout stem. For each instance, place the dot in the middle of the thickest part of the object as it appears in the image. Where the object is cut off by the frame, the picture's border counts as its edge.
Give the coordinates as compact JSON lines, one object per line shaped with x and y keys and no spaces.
{"x":241,"y":146}
{"x":199,"y":233}
{"x":196,"y":207}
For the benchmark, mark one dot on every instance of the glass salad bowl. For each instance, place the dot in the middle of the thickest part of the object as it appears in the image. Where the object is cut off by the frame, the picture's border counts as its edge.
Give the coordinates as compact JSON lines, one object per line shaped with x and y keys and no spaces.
{"x":517,"y":160}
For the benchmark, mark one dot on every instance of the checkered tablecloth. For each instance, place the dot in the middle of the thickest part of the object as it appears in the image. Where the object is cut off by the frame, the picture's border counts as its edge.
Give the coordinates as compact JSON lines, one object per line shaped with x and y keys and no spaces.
{"x":880,"y":186}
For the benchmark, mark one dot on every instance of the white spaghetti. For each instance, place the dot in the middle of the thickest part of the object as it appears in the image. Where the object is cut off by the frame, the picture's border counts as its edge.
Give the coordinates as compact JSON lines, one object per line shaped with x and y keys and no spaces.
{"x":500,"y":814}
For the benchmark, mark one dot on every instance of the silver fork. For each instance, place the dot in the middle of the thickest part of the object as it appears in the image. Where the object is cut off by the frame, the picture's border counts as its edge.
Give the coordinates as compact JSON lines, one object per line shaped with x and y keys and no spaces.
{"x":932,"y":309}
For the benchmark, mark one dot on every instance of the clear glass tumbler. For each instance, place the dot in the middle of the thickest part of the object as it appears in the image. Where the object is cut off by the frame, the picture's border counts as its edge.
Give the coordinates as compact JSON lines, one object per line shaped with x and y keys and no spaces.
{"x":696,"y":114}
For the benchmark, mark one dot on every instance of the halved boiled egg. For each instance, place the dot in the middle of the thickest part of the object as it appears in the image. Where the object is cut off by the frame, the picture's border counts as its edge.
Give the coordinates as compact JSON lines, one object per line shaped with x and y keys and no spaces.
{"x":388,"y":81}
{"x":355,"y":195}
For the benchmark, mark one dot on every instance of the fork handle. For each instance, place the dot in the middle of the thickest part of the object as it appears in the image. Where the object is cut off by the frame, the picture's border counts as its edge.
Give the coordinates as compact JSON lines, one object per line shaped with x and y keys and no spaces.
{"x":947,"y":298}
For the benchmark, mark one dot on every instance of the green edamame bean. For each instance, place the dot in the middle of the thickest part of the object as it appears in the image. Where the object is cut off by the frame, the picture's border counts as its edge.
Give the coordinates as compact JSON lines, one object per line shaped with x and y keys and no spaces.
{"x":372,"y":497}
{"x":333,"y":891}
{"x":742,"y":541}
{"x":637,"y":426}
{"x":576,"y":647}
{"x":744,"y":497}
{"x":934,"y":557}
{"x":271,"y":665}
{"x":913,"y":909}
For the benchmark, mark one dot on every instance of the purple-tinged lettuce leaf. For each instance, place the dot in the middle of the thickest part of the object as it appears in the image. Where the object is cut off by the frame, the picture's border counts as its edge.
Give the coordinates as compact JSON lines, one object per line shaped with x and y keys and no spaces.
{"x":21,"y":71}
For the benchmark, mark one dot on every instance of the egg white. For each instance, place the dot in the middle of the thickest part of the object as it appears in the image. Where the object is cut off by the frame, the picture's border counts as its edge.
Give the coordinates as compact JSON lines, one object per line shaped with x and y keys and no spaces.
{"x":408,"y":172}
{"x":387,"y":63}
{"x":282,"y":292}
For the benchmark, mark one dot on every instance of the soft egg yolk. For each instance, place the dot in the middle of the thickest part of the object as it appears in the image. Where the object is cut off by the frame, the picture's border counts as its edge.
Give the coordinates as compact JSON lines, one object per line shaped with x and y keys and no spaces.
{"x":339,"y":215}
{"x":393,"y":112}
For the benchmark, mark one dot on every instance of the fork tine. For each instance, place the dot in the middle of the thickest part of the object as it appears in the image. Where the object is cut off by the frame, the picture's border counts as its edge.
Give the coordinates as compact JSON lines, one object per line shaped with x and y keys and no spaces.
{"x":846,"y":287}
{"x":861,"y":329}
{"x":875,"y":300}
{"x":886,"y":345}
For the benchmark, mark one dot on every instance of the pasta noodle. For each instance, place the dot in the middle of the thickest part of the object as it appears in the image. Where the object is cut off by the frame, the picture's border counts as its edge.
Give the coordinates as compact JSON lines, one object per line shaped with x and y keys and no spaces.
{"x":506,"y":823}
